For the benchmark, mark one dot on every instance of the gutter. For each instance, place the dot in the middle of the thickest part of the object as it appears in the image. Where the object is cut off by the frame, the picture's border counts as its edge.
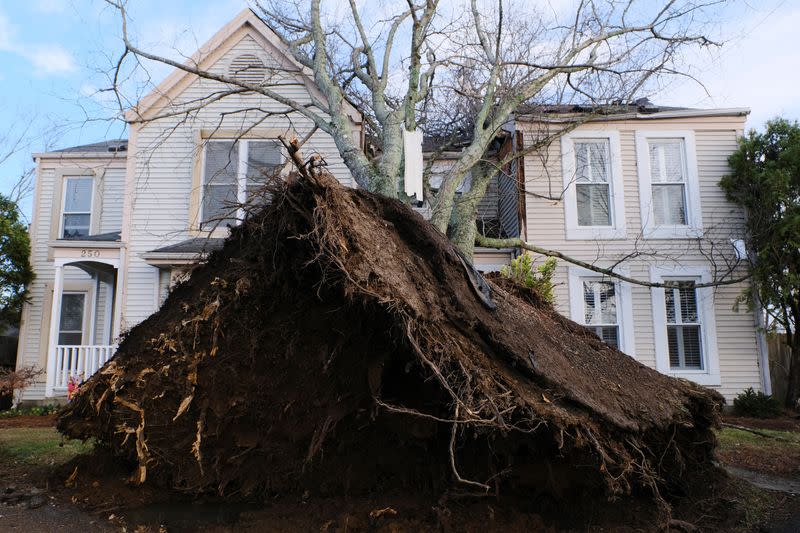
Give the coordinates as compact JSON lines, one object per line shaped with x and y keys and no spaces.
{"x":677,"y":113}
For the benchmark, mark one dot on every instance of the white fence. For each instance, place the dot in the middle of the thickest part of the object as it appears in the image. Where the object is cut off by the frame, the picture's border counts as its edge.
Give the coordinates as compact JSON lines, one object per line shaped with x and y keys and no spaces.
{"x":79,"y":361}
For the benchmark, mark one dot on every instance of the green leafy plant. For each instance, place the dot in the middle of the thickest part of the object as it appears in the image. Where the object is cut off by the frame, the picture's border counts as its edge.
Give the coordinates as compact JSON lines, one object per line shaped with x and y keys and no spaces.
{"x":523,"y":271}
{"x":756,"y":404}
{"x":16,"y":273}
{"x":38,"y":410}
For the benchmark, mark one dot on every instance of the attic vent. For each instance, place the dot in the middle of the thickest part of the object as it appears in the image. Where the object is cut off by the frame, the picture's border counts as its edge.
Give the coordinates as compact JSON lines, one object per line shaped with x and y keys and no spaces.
{"x":247,"y":68}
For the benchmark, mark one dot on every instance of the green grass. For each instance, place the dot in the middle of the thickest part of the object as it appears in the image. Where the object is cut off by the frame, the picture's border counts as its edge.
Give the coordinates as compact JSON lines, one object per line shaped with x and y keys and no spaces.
{"x":38,"y":446}
{"x":729,"y":437}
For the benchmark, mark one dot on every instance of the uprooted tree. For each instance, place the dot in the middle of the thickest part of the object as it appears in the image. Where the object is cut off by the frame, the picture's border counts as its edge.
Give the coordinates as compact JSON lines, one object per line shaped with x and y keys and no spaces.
{"x":338,"y":342}
{"x":456,"y":70}
{"x":765,"y":180}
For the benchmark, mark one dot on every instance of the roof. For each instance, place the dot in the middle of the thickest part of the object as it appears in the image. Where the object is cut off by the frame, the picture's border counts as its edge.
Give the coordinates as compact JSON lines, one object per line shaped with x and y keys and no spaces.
{"x":197,"y":245}
{"x":112,"y":236}
{"x":111,"y":146}
{"x":638,"y":109}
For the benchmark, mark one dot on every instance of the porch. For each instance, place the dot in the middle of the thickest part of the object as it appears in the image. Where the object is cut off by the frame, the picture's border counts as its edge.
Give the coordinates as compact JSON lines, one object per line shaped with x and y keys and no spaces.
{"x":85,"y":311}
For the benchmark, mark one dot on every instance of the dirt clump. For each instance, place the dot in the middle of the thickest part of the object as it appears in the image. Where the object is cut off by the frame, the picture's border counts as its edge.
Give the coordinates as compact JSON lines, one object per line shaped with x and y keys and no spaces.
{"x":339,"y":344}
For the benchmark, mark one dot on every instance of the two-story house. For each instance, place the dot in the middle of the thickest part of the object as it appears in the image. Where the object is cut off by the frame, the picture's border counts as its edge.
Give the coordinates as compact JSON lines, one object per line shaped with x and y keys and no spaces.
{"x":636,"y":189}
{"x":116,"y":223}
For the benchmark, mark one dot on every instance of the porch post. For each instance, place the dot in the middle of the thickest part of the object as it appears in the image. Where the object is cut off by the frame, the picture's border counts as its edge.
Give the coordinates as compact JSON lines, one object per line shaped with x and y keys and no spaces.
{"x":55,"y":322}
{"x":118,"y":290}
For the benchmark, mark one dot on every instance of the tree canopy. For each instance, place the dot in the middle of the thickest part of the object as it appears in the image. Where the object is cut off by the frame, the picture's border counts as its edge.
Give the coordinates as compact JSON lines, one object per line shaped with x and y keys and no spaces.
{"x":16,"y":273}
{"x":765,"y":180}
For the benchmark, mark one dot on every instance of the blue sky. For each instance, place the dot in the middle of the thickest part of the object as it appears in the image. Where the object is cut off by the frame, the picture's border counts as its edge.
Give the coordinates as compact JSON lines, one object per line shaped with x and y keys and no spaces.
{"x":53,"y":54}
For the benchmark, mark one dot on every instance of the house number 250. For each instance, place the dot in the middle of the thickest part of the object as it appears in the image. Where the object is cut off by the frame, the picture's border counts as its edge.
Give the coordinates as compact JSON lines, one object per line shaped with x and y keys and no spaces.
{"x":90,"y":253}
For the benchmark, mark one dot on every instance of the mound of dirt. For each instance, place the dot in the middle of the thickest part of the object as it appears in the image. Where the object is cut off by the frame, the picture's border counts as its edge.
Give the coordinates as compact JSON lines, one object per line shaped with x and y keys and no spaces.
{"x":339,"y":343}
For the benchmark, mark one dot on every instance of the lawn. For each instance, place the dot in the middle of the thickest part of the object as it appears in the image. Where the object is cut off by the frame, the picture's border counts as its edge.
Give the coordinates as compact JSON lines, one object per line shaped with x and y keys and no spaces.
{"x":37,"y":446}
{"x":776,"y":454}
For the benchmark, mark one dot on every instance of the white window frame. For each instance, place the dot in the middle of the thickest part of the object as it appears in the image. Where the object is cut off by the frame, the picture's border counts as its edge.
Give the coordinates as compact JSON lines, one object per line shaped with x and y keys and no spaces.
{"x":622,"y":292}
{"x":241,"y":171}
{"x":66,"y":179}
{"x":617,"y":228}
{"x":694,"y":217}
{"x":709,"y":375}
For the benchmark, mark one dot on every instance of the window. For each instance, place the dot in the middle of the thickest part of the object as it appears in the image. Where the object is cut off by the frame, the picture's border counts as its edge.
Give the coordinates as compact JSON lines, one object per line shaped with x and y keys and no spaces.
{"x":668,"y":176}
{"x":600,"y":310}
{"x":593,"y":189}
{"x":670,"y":197}
{"x":77,"y":212}
{"x":603,"y":305}
{"x":683,"y":328}
{"x":233,"y":171}
{"x":684,"y":325}
{"x":70,"y":328}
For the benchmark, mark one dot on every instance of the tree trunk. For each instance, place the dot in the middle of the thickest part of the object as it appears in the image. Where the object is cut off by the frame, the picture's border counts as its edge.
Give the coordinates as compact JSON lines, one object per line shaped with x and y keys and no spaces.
{"x":793,"y":388}
{"x":462,"y":225}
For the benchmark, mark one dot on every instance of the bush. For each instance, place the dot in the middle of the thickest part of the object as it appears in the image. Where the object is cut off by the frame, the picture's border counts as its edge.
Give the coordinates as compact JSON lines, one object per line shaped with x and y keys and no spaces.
{"x":756,"y":404}
{"x":523,"y":272}
{"x":37,"y":410}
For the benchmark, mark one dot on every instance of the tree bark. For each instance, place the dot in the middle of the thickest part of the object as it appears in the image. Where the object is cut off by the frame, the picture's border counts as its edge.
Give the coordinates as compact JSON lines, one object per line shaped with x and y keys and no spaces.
{"x":463,"y":228}
{"x":793,"y":387}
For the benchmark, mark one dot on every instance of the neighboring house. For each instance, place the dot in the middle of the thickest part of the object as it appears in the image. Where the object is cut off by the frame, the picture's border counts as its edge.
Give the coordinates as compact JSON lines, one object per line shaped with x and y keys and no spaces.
{"x":117,"y":223}
{"x":641,"y":183}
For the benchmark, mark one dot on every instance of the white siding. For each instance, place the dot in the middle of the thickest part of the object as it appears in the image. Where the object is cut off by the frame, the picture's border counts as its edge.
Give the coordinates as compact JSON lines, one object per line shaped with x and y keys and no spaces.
{"x":165,"y":159}
{"x":109,"y":175}
{"x":715,"y":140}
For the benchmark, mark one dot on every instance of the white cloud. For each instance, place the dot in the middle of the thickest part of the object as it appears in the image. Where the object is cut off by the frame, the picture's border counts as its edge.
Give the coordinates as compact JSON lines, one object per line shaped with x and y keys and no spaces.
{"x":760,"y":70}
{"x":50,"y":59}
{"x":50,"y":6}
{"x":46,"y":59}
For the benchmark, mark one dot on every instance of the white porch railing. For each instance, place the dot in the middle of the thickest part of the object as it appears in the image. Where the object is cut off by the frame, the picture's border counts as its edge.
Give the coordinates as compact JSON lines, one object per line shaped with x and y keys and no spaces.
{"x":79,"y":361}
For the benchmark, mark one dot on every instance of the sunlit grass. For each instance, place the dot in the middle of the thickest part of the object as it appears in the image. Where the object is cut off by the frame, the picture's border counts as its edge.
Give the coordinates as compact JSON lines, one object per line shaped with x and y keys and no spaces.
{"x":38,"y":446}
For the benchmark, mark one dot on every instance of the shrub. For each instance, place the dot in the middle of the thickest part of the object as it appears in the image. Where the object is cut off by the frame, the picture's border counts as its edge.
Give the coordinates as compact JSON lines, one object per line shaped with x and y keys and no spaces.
{"x":756,"y":404}
{"x":539,"y":278}
{"x":37,"y":410}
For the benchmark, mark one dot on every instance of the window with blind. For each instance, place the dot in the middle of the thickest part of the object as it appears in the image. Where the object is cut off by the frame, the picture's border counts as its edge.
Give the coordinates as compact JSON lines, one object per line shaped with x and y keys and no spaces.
{"x":684,"y":328}
{"x":600,"y":310}
{"x":668,"y":181}
{"x":76,"y":220}
{"x":70,"y":327}
{"x":592,"y":182}
{"x":233,"y":173}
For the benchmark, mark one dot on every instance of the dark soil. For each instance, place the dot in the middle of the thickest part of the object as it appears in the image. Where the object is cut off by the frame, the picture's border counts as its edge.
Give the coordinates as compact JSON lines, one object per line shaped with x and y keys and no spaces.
{"x":338,"y":347}
{"x":787,"y":422}
{"x":28,"y":421}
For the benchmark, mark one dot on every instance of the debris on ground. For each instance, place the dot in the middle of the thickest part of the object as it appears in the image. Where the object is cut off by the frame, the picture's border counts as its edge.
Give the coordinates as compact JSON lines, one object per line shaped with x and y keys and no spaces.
{"x":339,"y":344}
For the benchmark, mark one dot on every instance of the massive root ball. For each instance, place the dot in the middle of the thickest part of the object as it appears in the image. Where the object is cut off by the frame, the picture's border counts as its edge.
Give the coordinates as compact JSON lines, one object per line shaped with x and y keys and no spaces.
{"x":338,"y":342}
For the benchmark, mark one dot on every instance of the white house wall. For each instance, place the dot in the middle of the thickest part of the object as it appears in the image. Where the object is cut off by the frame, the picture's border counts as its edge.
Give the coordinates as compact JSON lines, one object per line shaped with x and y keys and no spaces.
{"x":715,"y":140}
{"x":35,"y":317}
{"x":165,"y":154}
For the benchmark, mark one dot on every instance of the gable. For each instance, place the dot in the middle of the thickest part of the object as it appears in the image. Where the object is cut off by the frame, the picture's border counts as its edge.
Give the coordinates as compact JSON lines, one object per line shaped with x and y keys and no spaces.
{"x":246,"y":40}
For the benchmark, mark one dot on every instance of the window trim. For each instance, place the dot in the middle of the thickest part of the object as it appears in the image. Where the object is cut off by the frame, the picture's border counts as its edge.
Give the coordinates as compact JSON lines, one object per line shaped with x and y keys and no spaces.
{"x":62,"y":212}
{"x":617,"y":230}
{"x":622,"y":291}
{"x":694,"y":217}
{"x":241,"y":173}
{"x":710,"y":374}
{"x":202,"y":135}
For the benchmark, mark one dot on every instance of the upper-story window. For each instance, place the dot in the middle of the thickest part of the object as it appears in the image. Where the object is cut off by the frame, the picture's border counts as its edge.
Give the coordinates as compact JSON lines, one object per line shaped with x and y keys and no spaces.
{"x":76,"y":219}
{"x":232,"y":172}
{"x":668,"y":184}
{"x":593,"y":188}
